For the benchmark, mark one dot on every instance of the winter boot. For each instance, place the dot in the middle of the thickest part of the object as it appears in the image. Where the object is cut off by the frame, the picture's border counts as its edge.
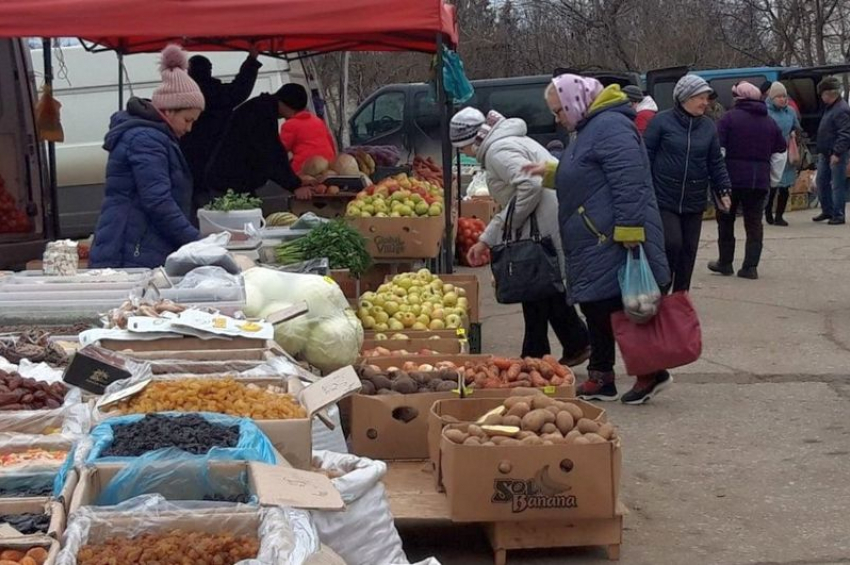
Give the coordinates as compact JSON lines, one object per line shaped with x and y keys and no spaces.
{"x":723,"y":265}
{"x":577,"y":358}
{"x":646,"y":387}
{"x":781,"y":204}
{"x":768,"y":211}
{"x":598,"y":386}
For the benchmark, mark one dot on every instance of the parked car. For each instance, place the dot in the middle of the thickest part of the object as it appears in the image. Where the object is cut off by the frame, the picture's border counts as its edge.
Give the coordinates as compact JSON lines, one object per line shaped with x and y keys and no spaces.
{"x":25,"y":202}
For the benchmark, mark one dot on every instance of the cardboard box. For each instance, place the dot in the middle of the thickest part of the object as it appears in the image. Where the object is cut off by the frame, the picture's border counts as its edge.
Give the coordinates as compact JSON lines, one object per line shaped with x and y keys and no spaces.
{"x":401,"y":238}
{"x":447,"y":346}
{"x":445,"y":412}
{"x":392,"y":427}
{"x":29,"y":506}
{"x":273,"y":485}
{"x":185,"y":343}
{"x":292,"y":438}
{"x":328,"y":206}
{"x":26,"y":543}
{"x":369,"y":281}
{"x":531,"y":482}
{"x":482,"y":208}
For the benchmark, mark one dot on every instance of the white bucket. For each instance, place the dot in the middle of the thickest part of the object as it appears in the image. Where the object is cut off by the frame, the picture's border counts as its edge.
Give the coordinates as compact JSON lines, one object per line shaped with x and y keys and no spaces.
{"x":235,"y":222}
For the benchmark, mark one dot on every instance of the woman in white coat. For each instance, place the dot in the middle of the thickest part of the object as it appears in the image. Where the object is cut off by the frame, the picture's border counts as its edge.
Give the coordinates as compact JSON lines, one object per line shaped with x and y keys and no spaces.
{"x":502,"y":148}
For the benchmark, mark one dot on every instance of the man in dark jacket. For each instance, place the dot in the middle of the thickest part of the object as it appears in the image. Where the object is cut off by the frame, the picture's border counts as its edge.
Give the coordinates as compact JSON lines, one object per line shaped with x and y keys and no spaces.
{"x":250,"y":153}
{"x":221,"y":99}
{"x":754,"y":148}
{"x":833,"y":143}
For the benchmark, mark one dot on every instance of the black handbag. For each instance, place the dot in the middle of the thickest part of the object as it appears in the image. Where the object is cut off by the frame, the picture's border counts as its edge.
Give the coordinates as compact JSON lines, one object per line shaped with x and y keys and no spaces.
{"x":525,"y":270}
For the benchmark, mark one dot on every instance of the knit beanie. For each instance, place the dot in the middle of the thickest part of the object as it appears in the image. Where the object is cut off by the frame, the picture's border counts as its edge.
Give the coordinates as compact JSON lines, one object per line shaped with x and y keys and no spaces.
{"x":464,"y":126}
{"x":777,"y":89}
{"x":746,"y":91}
{"x":493,"y":118}
{"x":690,"y":86}
{"x":293,"y":95}
{"x":178,"y":91}
{"x":829,"y":83}
{"x":634,"y":93}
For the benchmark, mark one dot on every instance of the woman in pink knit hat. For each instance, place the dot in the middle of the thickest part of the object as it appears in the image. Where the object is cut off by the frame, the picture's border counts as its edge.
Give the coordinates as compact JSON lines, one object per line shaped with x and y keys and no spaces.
{"x":144,"y":216}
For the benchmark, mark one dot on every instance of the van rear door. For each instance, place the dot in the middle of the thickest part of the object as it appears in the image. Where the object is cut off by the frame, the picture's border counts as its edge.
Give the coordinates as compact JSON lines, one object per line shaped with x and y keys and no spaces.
{"x":802,"y":88}
{"x":24,"y":194}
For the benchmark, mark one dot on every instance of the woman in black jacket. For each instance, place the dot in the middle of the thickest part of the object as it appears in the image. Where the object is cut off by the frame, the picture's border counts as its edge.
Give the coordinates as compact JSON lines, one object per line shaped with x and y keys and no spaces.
{"x":684,"y":151}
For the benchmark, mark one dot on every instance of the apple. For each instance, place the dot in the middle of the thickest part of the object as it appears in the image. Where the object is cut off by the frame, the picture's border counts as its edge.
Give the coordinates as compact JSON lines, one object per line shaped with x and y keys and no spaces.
{"x":381,"y":328}
{"x":435,"y":210}
{"x":391,"y":307}
{"x":419,"y":326}
{"x":382,"y":317}
{"x":396,"y":325}
{"x":368,"y":322}
{"x":399,"y":336}
{"x":424,"y":319}
{"x":453,"y":321}
{"x":380,"y":337}
{"x":450,"y":298}
{"x":438,"y":314}
{"x":408,"y":319}
{"x":437,"y":325}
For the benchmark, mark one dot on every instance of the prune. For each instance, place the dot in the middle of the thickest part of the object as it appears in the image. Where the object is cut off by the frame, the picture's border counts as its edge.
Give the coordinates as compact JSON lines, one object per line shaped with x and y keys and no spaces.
{"x":190,"y":433}
{"x":26,"y":490}
{"x":28,"y":523}
{"x":17,"y":393}
{"x":239,"y":498}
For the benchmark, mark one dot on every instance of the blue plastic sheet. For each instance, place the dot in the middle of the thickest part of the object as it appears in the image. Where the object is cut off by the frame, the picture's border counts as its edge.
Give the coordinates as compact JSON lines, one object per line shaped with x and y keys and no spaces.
{"x":253,"y":445}
{"x":177,"y":475}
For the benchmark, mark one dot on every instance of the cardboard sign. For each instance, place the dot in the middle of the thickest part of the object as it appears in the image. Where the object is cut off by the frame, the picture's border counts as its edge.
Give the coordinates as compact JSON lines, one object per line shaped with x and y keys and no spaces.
{"x":122,"y":394}
{"x":294,"y":311}
{"x":93,"y":369}
{"x":7,"y":531}
{"x":276,"y":485}
{"x":330,"y":389}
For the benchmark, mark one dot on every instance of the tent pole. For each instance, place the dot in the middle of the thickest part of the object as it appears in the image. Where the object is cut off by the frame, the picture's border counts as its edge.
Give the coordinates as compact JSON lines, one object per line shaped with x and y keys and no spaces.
{"x":343,"y":90}
{"x":458,"y":169}
{"x":446,"y":146}
{"x":51,"y":146}
{"x":120,"y":81}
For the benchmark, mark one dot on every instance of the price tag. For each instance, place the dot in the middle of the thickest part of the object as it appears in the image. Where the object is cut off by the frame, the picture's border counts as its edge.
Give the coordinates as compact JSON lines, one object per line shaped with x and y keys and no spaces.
{"x":461,"y":332}
{"x":550,"y":390}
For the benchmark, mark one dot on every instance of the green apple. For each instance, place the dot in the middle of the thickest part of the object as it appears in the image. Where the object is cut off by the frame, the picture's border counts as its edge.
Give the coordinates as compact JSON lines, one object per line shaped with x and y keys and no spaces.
{"x":408,"y":320}
{"x":424,"y":275}
{"x":419,"y":326}
{"x":380,"y":327}
{"x":380,"y":337}
{"x":368,"y":322}
{"x":438,"y":314}
{"x":453,"y":321}
{"x":421,"y":208}
{"x":424,"y":319}
{"x":396,"y":325}
{"x":382,"y":317}
{"x":391,"y":307}
{"x":435,"y":210}
{"x":450,"y":298}
{"x":437,"y":325}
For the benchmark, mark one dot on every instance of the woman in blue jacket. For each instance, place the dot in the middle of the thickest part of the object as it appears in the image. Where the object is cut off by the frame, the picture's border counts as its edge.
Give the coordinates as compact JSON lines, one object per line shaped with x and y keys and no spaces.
{"x":606,"y":207}
{"x":148,"y":182}
{"x":684,"y":151}
{"x":786,"y":118}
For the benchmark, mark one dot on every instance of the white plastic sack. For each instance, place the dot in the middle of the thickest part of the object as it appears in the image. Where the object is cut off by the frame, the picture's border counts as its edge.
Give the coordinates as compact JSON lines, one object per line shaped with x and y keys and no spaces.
{"x":210,"y":251}
{"x":325,"y":439}
{"x":429,"y":561}
{"x":365,"y":533}
{"x":778,"y":161}
{"x":478,"y":185}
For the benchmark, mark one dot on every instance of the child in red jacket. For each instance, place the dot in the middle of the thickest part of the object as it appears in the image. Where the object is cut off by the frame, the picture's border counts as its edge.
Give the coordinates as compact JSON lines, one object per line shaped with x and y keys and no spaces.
{"x":303,"y":134}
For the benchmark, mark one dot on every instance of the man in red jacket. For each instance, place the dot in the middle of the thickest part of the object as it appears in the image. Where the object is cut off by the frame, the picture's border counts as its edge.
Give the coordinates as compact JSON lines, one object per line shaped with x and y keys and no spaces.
{"x":303,"y":134}
{"x":644,"y":106}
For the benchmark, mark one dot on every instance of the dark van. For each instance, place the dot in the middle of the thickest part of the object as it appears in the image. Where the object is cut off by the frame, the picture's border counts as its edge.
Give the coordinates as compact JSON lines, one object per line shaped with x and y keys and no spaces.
{"x":407,"y":116}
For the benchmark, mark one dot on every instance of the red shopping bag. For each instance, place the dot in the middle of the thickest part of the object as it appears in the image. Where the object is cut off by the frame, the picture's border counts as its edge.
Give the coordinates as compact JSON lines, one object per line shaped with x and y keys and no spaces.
{"x":672,"y":338}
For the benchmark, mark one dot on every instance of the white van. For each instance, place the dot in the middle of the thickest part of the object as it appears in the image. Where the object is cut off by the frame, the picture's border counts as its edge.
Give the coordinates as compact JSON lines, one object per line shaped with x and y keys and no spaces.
{"x":24,"y":191}
{"x":86,"y":84}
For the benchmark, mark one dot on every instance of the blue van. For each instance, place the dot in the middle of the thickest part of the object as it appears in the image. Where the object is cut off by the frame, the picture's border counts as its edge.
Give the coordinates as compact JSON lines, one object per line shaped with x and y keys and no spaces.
{"x":801,"y":83}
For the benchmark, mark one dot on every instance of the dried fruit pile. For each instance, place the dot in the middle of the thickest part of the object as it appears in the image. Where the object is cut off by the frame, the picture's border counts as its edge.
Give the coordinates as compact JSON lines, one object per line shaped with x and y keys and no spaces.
{"x":533,"y":420}
{"x":377,"y":381}
{"x":174,"y":548}
{"x":118,"y":317}
{"x":26,"y":490}
{"x":500,"y":372}
{"x":19,"y":393}
{"x":28,"y":523}
{"x":34,"y":345}
{"x":190,"y":433}
{"x":34,"y":556}
{"x":35,"y":456}
{"x":225,"y":396}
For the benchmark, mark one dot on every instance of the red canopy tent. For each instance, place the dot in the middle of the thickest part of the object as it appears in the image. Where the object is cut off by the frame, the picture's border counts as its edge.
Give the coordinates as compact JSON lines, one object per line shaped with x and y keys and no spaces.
{"x":277,"y":27}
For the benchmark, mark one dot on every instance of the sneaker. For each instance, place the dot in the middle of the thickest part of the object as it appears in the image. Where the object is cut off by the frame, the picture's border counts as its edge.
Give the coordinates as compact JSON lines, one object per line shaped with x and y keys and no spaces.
{"x":822,"y":217}
{"x":647,"y":387}
{"x":836,"y":222}
{"x":720,"y":268}
{"x":598,"y":386}
{"x":749,"y":273}
{"x":578,"y":359}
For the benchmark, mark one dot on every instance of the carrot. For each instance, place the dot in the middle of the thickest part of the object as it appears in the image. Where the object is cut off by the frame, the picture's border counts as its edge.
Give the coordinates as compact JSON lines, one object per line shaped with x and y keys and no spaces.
{"x":556,"y":381}
{"x":513,"y":372}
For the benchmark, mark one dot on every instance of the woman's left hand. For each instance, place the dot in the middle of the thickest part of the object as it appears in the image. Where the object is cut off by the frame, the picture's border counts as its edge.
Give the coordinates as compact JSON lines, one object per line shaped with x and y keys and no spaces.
{"x":303,"y":193}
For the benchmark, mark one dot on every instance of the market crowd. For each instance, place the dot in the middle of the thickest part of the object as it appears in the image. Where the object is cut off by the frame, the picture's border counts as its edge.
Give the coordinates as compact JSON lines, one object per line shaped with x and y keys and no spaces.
{"x":633,"y":177}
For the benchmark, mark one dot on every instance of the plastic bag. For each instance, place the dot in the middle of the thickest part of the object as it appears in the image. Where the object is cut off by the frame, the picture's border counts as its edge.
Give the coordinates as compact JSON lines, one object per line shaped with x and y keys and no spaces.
{"x":365,"y":533}
{"x":73,"y":452}
{"x":641,"y":294}
{"x":287,"y":537}
{"x":326,"y":439}
{"x":319,"y":267}
{"x":457,"y":86}
{"x":27,"y":485}
{"x":73,"y":418}
{"x":176,"y":475}
{"x":47,"y":116}
{"x":308,"y":221}
{"x":209,"y":277}
{"x":478,"y":185}
{"x":253,"y":445}
{"x":210,"y":251}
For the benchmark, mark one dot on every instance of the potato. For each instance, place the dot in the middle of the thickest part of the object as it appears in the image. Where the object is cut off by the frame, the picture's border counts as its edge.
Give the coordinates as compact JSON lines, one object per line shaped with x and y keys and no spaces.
{"x":515,"y":421}
{"x":519,"y":409}
{"x":573,"y":409}
{"x":367,"y":388}
{"x":548,"y":442}
{"x":532,"y":440}
{"x":564,"y":421}
{"x":552,"y":437}
{"x":606,"y":430}
{"x":572,"y":435}
{"x":525,"y":391}
{"x":511,"y":441}
{"x":492,"y":420}
{"x":475,"y":430}
{"x":534,"y":420}
{"x":512,"y":400}
{"x":548,"y":428}
{"x":456,"y":436}
{"x":542,"y":401}
{"x":472,"y":440}
{"x":595,"y":438}
{"x":553,"y":409}
{"x":446,"y":386}
{"x":524,"y":434}
{"x":449,"y":419}
{"x":587,"y":426}
{"x":581,"y":440}
{"x":405,"y":385}
{"x":499,"y":440}
{"x":381,"y":382}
